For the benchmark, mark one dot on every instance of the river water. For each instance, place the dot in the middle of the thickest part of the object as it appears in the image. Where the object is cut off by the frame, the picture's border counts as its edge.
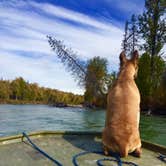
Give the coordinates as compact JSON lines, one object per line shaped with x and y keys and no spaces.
{"x":14,"y":119}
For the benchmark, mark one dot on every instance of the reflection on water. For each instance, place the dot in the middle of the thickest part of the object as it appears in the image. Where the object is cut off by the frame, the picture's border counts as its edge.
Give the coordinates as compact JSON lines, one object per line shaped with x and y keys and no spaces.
{"x":15,"y":119}
{"x":153,"y":128}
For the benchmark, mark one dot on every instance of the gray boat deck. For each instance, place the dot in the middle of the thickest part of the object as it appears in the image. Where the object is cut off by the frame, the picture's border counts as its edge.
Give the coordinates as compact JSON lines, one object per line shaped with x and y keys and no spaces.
{"x":63,"y":147}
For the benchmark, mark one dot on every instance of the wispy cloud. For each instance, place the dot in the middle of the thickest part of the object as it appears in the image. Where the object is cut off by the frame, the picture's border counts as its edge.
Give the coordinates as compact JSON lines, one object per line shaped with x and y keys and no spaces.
{"x":70,"y":15}
{"x":24,"y":26}
{"x":131,"y":6}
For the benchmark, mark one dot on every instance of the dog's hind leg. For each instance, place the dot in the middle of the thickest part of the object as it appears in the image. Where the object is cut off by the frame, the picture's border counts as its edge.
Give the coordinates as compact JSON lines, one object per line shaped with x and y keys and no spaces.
{"x":137,"y":152}
{"x":106,"y":150}
{"x":123,"y":152}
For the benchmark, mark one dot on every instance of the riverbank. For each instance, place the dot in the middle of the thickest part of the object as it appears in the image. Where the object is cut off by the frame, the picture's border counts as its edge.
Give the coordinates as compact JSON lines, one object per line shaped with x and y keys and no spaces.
{"x":20,"y":102}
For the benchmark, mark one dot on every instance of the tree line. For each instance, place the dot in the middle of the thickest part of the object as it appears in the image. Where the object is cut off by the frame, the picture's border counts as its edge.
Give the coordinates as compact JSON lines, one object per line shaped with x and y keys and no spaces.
{"x":19,"y":91}
{"x":145,"y":32}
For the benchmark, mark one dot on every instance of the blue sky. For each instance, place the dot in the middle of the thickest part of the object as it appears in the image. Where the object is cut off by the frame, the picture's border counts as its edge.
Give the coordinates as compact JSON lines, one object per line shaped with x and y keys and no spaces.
{"x":90,"y":27}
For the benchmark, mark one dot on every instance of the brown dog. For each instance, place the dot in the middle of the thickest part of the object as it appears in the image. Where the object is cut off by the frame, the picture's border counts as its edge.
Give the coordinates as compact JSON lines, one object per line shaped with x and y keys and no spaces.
{"x":121,"y":133}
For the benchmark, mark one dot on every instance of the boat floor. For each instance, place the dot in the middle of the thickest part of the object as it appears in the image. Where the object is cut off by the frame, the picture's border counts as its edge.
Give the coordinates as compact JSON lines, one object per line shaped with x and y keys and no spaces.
{"x":62,"y":148}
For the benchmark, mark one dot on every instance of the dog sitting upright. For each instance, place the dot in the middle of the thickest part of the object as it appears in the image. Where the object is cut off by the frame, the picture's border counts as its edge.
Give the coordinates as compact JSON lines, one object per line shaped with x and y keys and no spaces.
{"x":121,"y":132}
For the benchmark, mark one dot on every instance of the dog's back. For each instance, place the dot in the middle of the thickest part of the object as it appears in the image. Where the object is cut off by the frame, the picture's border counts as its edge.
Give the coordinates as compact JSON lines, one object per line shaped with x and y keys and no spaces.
{"x":121,"y":133}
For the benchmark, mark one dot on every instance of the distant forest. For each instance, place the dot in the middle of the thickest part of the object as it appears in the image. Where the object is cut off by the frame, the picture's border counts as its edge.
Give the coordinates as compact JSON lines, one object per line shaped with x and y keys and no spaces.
{"x":19,"y":91}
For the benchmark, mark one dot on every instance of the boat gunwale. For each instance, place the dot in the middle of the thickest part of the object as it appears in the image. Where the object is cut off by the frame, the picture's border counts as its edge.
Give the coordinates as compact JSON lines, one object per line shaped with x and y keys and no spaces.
{"x":41,"y":133}
{"x":17,"y":138}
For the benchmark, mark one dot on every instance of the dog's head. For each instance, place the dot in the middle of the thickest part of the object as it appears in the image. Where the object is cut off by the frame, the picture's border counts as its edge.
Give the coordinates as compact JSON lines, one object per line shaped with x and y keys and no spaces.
{"x":130,"y":65}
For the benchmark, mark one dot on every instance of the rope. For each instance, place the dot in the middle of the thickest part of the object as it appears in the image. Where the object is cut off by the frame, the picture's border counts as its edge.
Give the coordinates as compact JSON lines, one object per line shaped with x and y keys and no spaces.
{"x":99,"y":162}
{"x":162,"y":157}
{"x":74,"y":160}
{"x":41,"y":151}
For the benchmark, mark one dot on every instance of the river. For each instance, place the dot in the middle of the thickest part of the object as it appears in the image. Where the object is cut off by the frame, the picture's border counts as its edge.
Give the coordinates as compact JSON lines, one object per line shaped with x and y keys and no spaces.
{"x":14,"y":119}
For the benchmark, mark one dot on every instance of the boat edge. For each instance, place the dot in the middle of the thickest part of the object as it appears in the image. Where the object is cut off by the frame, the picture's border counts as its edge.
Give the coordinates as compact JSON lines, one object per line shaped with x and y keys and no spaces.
{"x":17,"y":138}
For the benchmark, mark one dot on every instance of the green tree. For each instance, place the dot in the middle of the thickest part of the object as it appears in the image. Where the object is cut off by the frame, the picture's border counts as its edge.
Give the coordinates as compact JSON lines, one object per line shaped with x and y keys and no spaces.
{"x":125,"y":44}
{"x":143,"y":76}
{"x":15,"y":90}
{"x":69,"y":58}
{"x":134,"y":34}
{"x":21,"y":88}
{"x":96,"y":81}
{"x":148,"y":94}
{"x":33,"y":91}
{"x":130,"y":41}
{"x":152,"y":27}
{"x":4,"y":90}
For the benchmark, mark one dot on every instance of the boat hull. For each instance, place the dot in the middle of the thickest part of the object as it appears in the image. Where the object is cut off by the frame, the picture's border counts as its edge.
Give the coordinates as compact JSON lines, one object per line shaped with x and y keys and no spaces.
{"x":63,"y":146}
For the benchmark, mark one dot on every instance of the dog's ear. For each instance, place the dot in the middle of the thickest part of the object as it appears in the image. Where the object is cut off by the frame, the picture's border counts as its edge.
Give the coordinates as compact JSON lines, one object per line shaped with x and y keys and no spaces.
{"x":135,"y":57}
{"x":122,"y":58}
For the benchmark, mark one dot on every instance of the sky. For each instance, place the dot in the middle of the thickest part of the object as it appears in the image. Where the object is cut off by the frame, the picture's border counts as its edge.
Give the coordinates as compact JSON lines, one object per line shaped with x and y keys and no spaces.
{"x":90,"y":27}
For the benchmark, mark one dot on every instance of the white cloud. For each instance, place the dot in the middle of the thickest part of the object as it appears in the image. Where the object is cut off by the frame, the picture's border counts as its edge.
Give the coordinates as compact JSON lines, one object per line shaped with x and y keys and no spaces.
{"x":25,"y":30}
